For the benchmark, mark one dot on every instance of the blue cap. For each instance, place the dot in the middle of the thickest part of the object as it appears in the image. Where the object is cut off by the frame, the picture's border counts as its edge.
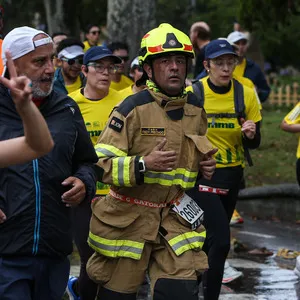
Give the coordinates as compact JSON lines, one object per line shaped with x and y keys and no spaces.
{"x":217,"y":48}
{"x":98,"y":52}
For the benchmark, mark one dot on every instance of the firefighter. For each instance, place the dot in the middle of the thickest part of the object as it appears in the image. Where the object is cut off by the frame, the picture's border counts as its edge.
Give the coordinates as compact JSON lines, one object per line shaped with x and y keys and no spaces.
{"x":150,"y":153}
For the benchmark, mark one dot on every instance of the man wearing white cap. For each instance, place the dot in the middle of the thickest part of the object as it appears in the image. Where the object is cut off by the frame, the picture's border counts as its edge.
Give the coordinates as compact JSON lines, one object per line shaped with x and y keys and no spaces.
{"x":68,"y":77}
{"x":248,"y":68}
{"x":136,"y":73}
{"x":36,"y":196}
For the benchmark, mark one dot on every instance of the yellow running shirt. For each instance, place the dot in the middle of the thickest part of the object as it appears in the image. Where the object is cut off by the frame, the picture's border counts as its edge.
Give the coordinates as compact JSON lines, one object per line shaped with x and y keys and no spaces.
{"x":126,"y":92}
{"x":122,"y":84}
{"x":240,"y":69}
{"x":87,"y":46}
{"x":75,"y":86}
{"x":95,"y":114}
{"x":225,"y":133}
{"x":293,"y":117}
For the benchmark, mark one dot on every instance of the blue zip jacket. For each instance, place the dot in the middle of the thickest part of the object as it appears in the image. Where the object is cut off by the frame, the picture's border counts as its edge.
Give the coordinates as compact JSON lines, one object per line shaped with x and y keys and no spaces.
{"x":38,"y":222}
{"x":253,"y":72}
{"x":59,"y":82}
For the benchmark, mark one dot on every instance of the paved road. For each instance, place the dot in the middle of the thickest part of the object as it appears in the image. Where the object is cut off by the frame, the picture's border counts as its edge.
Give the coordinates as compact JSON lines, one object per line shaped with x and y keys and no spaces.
{"x":270,"y":278}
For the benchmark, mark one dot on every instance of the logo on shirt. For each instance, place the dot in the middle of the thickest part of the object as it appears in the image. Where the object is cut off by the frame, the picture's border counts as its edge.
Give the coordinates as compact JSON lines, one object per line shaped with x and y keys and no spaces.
{"x":158,"y":131}
{"x":221,"y":125}
{"x":116,"y":124}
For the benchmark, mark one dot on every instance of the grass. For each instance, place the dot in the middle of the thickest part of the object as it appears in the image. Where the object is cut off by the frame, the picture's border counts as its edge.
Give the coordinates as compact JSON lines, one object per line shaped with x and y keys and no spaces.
{"x":274,"y":161}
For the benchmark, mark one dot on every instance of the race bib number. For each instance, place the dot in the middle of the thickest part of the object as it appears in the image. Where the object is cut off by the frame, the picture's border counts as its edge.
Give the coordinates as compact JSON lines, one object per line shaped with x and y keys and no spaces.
{"x":188,"y":209}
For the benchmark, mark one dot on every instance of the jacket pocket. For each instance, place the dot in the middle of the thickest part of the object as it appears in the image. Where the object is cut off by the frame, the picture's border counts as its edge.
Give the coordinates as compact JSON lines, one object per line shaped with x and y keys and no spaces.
{"x":115,"y":229}
{"x":99,"y":268}
{"x":202,"y":144}
{"x":179,"y":235}
{"x":114,"y":212}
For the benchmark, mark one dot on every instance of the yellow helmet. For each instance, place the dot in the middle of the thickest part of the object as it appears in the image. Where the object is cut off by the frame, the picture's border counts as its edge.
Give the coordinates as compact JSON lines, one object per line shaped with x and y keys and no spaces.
{"x":164,"y":39}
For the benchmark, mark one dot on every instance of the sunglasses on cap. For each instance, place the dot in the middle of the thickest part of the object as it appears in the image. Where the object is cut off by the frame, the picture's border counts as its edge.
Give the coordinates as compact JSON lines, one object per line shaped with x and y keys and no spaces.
{"x":95,"y":32}
{"x":124,"y":58}
{"x":72,"y":61}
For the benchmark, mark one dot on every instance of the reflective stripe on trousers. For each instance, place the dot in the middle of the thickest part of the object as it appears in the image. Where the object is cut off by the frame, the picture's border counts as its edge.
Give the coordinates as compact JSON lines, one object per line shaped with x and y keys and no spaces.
{"x":116,"y":248}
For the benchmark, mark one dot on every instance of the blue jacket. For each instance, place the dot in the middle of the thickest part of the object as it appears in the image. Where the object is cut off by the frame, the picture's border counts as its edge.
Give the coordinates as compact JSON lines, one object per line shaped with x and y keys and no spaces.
{"x":253,"y":72}
{"x":38,"y":222}
{"x":59,"y":83}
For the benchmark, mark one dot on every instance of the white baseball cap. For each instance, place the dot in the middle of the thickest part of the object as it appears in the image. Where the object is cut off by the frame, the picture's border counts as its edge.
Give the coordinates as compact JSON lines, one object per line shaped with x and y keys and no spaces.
{"x":236,"y":36}
{"x":71,"y":52}
{"x":135,"y":63}
{"x":19,"y":42}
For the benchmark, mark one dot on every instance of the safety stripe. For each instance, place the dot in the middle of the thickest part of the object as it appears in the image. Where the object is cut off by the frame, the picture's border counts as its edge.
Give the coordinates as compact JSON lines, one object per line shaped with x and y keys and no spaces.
{"x":126,"y":171}
{"x":116,"y":248}
{"x":294,"y":114}
{"x":104,"y":150}
{"x":121,"y":171}
{"x":179,"y":176}
{"x":187,"y":241}
{"x":115,"y":171}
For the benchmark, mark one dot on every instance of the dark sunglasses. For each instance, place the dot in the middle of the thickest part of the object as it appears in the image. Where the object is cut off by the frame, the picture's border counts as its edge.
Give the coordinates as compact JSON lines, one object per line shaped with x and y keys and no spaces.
{"x":125,"y":58}
{"x":95,"y":32}
{"x":72,"y":61}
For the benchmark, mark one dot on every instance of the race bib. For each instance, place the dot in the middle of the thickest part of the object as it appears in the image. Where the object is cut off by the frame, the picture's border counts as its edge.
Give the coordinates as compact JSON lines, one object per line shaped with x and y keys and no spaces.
{"x":189,"y":210}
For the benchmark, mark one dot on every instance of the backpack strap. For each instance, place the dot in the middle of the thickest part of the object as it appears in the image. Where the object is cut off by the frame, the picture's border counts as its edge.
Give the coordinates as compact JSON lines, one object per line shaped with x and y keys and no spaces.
{"x":239,"y":103}
{"x":239,"y":106}
{"x":199,"y":91}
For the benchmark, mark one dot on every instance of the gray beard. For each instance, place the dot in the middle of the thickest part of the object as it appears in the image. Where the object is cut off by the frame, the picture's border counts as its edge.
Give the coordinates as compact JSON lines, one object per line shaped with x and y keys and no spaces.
{"x":39,"y":93}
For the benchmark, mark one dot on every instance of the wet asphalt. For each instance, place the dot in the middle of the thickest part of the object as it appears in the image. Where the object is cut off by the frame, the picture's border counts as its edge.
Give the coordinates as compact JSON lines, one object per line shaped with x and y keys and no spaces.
{"x":264,"y":277}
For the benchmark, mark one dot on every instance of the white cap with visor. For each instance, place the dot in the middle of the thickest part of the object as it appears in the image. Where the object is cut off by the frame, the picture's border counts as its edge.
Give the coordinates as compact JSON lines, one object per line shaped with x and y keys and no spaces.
{"x":19,"y":42}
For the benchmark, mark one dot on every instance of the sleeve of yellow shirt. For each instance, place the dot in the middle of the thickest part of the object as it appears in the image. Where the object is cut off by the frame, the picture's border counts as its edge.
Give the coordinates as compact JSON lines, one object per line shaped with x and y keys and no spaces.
{"x":252,"y":109}
{"x":293,"y":117}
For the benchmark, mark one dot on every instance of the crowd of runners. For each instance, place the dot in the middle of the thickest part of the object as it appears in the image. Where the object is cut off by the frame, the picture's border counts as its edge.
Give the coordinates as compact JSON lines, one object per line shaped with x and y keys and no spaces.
{"x":139,"y":165}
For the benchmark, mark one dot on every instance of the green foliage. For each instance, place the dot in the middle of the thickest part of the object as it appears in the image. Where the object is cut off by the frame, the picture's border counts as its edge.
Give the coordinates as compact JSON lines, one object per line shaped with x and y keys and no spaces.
{"x":274,"y":161}
{"x":276,"y":25}
{"x":220,"y":15}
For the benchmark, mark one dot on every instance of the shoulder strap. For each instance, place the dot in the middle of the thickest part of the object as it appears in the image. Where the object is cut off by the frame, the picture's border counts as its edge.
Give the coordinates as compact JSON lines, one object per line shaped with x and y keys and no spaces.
{"x":199,"y":91}
{"x":239,"y":105}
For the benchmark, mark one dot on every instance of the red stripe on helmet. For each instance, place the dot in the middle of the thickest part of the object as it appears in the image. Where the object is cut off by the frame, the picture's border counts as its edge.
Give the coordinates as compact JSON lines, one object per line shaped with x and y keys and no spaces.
{"x":188,"y":47}
{"x":155,"y":49}
{"x":146,"y":35}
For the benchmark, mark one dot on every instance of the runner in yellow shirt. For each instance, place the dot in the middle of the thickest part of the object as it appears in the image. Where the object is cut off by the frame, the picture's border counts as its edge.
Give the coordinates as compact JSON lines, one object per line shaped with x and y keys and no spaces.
{"x":119,"y":80}
{"x":136,"y":72}
{"x":231,"y":133}
{"x":96,"y":101}
{"x":92,"y":35}
{"x":291,"y":123}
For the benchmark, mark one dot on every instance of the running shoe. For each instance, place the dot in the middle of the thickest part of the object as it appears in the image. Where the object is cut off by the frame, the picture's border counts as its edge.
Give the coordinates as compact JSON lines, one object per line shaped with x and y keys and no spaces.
{"x":230,"y":273}
{"x":297,"y":267}
{"x":70,"y":290}
{"x":236,"y":218}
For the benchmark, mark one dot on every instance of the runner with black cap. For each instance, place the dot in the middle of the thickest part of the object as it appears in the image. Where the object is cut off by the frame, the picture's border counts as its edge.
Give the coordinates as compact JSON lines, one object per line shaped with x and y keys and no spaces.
{"x":233,"y":124}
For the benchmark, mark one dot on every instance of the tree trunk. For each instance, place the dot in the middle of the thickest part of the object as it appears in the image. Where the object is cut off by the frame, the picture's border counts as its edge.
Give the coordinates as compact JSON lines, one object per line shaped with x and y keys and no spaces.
{"x":54,"y":15}
{"x":128,"y":21}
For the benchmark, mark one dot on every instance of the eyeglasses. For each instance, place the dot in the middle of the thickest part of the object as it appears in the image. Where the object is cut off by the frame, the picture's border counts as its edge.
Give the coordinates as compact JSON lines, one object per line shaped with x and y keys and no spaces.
{"x":95,"y":32}
{"x":220,"y":63}
{"x":101,"y":68}
{"x":125,"y":58}
{"x":72,"y":61}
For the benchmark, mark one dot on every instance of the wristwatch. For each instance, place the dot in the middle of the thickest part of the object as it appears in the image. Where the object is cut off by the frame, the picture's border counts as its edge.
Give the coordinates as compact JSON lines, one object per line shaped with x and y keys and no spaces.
{"x":142,"y":166}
